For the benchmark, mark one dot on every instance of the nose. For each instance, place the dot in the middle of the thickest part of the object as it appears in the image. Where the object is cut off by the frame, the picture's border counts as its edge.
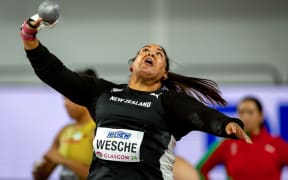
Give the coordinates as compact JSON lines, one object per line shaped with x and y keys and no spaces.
{"x":151,"y":54}
{"x":245,"y":117}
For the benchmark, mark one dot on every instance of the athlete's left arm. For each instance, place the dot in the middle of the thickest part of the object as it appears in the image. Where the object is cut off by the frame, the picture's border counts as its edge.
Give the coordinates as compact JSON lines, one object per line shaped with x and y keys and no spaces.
{"x":196,"y":116}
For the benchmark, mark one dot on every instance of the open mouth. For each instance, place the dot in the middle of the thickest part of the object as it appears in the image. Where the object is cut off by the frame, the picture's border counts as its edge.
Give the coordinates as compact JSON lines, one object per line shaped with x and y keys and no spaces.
{"x":149,"y":61}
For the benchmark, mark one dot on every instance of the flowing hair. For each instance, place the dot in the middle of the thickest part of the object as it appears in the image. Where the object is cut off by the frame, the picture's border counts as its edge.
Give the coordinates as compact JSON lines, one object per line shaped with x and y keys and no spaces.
{"x":205,"y":90}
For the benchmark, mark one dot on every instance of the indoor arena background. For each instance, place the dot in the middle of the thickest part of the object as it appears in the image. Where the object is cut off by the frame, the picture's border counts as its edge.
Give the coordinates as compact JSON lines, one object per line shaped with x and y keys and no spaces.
{"x":242,"y":45}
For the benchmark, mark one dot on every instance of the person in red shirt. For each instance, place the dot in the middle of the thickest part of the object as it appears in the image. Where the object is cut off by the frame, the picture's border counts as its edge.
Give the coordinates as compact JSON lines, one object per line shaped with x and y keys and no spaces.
{"x":264,"y":159}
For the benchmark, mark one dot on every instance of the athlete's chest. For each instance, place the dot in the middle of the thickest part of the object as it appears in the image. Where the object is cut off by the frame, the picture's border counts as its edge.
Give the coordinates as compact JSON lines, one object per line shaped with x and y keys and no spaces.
{"x":126,"y":106}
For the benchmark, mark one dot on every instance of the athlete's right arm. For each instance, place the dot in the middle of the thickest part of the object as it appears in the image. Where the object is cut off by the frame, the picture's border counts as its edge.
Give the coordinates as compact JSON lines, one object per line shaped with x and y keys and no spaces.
{"x":28,"y":34}
{"x":214,"y":156}
{"x":80,"y":89}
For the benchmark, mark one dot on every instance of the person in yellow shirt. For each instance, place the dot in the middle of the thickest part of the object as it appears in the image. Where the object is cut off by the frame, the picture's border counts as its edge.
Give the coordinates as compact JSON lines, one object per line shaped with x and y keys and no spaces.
{"x":72,"y":147}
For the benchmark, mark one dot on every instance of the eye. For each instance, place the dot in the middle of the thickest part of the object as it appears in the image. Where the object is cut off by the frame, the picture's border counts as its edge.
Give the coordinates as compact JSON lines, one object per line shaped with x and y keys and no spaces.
{"x":240,"y":112}
{"x":146,"y":50}
{"x":159,"y":54}
{"x":250,"y":112}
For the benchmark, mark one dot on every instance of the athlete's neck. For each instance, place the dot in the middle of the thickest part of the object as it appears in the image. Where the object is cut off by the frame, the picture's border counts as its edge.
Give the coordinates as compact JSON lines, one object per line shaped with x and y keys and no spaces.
{"x":144,"y":85}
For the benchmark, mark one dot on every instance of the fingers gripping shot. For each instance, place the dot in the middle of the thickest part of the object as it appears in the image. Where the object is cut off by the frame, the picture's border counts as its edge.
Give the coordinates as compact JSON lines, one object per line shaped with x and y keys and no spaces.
{"x":138,"y":123}
{"x":47,"y":17}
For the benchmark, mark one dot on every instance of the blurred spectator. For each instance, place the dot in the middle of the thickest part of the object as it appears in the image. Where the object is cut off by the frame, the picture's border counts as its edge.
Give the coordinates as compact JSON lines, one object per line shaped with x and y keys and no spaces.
{"x":264,"y":159}
{"x":183,"y":170}
{"x":72,"y":147}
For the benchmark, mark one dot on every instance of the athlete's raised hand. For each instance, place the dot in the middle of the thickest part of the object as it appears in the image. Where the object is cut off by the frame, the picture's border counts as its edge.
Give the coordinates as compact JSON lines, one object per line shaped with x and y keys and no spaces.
{"x":29,"y":29}
{"x":234,"y":129}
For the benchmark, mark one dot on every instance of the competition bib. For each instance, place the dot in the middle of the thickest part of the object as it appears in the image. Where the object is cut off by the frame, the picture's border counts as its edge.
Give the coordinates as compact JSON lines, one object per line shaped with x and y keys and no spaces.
{"x":118,"y":144}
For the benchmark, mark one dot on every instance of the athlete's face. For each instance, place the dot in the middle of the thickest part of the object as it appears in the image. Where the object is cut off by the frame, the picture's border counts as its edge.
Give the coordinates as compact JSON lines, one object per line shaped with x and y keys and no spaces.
{"x":250,"y":115}
{"x":150,"y":63}
{"x":75,"y":111}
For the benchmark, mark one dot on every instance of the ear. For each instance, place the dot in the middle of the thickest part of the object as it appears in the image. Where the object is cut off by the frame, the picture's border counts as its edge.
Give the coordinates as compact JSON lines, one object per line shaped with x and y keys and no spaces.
{"x":131,"y":68}
{"x":165,"y":76}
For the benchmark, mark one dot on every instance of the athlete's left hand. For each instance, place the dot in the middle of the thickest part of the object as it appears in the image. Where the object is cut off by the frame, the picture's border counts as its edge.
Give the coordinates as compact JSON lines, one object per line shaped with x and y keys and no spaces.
{"x":233,"y":128}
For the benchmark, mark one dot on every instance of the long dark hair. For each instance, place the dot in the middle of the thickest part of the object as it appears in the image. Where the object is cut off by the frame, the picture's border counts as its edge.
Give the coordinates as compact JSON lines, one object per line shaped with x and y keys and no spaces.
{"x":205,"y":90}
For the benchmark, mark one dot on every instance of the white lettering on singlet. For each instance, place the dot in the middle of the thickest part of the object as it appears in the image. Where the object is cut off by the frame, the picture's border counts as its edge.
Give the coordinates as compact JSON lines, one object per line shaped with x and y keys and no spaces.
{"x":116,"y":90}
{"x":130,"y":101}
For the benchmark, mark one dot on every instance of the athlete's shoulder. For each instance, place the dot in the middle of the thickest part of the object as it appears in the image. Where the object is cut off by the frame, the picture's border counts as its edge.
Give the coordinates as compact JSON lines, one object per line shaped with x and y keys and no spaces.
{"x":118,"y":87}
{"x":105,"y":83}
{"x":174,"y":98}
{"x":172,"y":95}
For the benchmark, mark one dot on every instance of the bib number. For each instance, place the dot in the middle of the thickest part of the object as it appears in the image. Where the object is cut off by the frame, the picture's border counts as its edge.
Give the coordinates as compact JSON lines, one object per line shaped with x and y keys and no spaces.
{"x":118,"y":144}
